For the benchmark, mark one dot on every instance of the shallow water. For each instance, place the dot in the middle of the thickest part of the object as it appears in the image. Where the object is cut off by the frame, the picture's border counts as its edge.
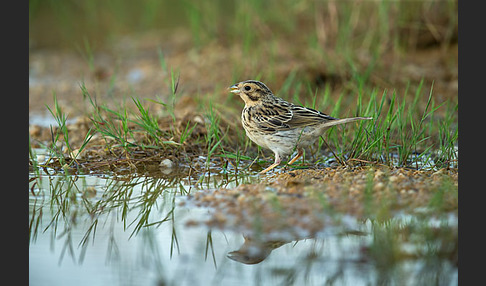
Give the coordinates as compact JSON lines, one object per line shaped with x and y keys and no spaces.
{"x":112,"y":230}
{"x":45,"y":120}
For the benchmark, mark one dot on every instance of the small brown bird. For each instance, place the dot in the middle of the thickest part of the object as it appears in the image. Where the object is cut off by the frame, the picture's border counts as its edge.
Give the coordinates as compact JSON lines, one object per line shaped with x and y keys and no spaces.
{"x":278,"y":125}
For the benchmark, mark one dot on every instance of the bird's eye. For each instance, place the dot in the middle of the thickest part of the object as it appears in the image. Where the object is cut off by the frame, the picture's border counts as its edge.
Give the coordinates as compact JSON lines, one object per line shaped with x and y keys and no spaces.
{"x":247,"y":88}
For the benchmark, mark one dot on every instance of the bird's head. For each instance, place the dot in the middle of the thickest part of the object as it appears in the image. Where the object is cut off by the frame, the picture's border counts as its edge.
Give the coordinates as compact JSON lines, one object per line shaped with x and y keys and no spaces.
{"x":251,"y":91}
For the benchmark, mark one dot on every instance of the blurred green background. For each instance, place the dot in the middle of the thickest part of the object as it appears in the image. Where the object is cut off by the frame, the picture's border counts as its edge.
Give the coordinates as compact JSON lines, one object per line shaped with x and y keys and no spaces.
{"x":365,"y":24}
{"x":119,"y":47}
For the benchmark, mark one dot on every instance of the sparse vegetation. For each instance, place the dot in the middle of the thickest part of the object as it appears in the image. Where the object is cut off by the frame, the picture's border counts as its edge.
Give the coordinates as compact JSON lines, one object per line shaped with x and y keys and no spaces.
{"x":140,"y":107}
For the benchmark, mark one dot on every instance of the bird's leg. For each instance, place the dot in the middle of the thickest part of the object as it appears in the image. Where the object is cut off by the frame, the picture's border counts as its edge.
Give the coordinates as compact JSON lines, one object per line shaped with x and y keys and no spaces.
{"x":275,"y":164}
{"x":299,"y":154}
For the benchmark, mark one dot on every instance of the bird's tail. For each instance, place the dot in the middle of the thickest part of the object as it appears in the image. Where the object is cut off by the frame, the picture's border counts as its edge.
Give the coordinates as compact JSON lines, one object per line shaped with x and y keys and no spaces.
{"x":343,"y":121}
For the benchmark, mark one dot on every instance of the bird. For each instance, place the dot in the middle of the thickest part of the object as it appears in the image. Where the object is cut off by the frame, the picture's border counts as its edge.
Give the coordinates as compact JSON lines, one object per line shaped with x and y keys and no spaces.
{"x":254,"y":250}
{"x":276,"y":124}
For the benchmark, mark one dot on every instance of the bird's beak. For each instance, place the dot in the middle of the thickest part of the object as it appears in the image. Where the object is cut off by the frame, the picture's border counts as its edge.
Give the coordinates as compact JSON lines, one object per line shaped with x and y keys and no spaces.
{"x":234,"y":88}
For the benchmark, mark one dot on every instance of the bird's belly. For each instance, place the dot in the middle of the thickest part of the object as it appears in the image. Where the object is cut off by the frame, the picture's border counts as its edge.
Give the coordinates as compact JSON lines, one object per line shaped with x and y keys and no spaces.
{"x":309,"y":136}
{"x":282,"y":142}
{"x":285,"y":142}
{"x":259,"y":139}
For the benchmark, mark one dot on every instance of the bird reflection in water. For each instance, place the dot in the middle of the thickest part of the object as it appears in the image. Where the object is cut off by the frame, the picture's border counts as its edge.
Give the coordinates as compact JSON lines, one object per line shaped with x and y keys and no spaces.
{"x":254,"y":251}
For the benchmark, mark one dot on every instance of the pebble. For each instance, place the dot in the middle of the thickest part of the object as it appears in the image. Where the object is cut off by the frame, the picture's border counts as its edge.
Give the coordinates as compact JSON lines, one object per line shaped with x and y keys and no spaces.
{"x":166,"y":163}
{"x":379,"y":174}
{"x":396,"y":178}
{"x":41,"y":158}
{"x":379,"y":186}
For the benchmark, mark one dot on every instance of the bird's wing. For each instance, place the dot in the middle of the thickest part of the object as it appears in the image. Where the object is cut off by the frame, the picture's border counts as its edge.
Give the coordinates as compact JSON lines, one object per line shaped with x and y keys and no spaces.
{"x":272,"y":117}
{"x":282,"y":115}
{"x":304,"y":116}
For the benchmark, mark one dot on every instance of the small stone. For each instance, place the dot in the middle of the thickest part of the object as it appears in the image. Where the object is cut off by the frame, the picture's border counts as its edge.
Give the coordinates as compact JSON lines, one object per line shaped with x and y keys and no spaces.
{"x":41,"y":158}
{"x":166,"y":163}
{"x":379,"y":186}
{"x":379,"y":174}
{"x":397,"y":178}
